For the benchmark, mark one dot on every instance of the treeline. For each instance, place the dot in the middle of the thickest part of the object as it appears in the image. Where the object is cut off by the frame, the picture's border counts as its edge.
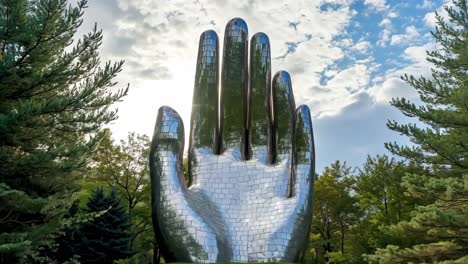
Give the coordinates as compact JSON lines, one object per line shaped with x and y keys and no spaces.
{"x":355,"y":209}
{"x":414,"y":210}
{"x":70,"y":194}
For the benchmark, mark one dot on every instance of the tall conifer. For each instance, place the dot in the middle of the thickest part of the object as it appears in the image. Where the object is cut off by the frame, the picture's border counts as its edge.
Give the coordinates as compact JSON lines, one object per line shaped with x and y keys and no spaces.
{"x":55,"y":95}
{"x":442,"y":145}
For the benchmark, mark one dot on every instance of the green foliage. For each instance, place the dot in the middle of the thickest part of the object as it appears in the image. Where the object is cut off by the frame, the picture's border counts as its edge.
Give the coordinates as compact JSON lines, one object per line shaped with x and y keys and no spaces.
{"x":380,"y":190}
{"x":444,"y":96}
{"x":138,"y":258}
{"x":86,"y":189}
{"x":425,"y":253}
{"x":334,"y":211}
{"x":441,"y":226}
{"x":382,"y":201}
{"x":441,"y":223}
{"x":353,"y":212}
{"x":107,"y":237}
{"x":124,"y":166}
{"x":54,"y":99}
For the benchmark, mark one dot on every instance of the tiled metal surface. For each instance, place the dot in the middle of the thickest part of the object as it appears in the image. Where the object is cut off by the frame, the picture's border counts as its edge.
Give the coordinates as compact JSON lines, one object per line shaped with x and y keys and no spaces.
{"x":251,"y":161}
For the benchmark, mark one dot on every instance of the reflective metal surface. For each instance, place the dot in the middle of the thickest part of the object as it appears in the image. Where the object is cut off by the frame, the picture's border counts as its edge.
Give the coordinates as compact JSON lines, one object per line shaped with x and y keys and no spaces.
{"x":251,"y":162}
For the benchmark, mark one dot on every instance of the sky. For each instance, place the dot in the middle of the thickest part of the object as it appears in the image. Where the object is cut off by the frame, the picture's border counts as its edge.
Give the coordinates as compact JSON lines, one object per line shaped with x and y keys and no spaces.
{"x":345,"y":58}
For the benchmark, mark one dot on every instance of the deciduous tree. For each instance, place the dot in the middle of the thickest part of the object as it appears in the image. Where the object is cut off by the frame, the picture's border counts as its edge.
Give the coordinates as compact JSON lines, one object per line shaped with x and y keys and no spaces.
{"x":334,"y":210}
{"x":124,"y":166}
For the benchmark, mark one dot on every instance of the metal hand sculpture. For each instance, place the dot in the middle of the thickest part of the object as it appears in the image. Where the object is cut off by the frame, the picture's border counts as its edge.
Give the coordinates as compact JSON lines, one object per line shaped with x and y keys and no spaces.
{"x":251,"y":161}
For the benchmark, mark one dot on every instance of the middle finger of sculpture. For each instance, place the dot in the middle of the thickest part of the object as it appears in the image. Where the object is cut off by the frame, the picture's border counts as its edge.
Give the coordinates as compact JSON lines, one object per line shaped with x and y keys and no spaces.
{"x":251,"y":161}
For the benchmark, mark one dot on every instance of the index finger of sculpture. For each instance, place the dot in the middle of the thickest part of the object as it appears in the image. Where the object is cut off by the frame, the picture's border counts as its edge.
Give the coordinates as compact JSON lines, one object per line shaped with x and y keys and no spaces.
{"x":203,"y":122}
{"x":259,"y":128}
{"x":234,"y":78}
{"x":204,"y":130}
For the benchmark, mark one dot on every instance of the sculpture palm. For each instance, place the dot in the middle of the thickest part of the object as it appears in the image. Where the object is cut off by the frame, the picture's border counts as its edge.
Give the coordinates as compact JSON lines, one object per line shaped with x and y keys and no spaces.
{"x":251,"y":161}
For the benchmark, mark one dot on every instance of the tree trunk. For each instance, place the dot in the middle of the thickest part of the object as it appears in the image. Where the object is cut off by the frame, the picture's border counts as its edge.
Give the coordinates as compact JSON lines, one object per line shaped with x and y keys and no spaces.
{"x":327,"y":246}
{"x":399,"y":211}
{"x":386,"y":205}
{"x":156,"y":255}
{"x":342,"y":238}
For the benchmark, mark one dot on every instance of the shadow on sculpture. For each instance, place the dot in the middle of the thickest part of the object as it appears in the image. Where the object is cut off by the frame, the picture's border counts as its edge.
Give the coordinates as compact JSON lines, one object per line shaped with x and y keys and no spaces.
{"x":251,"y":160}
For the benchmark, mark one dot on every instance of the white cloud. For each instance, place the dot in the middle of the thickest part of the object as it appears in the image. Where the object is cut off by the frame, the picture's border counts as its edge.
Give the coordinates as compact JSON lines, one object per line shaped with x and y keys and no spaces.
{"x":392,"y":85}
{"x":362,"y":46}
{"x":385,"y":22}
{"x":426,"y":4}
{"x":341,"y":2}
{"x":343,"y":84}
{"x":357,"y":131}
{"x":411,"y":34}
{"x":430,"y":18}
{"x":417,"y":54}
{"x":393,"y":14}
{"x":378,"y":5}
{"x":345,"y":42}
{"x":159,"y":42}
{"x":384,"y":35}
{"x":353,"y":78}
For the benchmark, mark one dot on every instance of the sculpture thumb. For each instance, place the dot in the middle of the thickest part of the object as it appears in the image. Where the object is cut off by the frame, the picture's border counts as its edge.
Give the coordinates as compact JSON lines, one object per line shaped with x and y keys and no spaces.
{"x":165,"y":163}
{"x":166,"y":154}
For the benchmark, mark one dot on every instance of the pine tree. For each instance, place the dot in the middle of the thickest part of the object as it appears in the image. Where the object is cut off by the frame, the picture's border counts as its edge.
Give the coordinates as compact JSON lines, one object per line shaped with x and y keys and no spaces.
{"x":442,"y":226}
{"x":54,"y":99}
{"x":107,"y":237}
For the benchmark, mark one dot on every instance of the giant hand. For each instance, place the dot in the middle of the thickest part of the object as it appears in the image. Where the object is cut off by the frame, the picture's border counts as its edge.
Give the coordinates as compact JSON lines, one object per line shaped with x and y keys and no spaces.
{"x":251,"y":161}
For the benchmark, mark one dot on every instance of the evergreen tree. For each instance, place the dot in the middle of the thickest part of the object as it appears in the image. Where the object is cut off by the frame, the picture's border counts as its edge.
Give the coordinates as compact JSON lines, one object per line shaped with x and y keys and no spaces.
{"x":107,"y":237}
{"x":442,"y":146}
{"x":54,"y":99}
